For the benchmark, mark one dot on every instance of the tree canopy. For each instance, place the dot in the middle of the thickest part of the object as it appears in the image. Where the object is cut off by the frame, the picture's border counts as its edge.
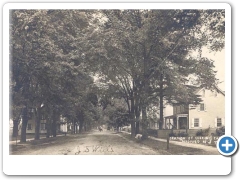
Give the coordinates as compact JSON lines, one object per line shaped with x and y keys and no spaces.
{"x":144,"y":57}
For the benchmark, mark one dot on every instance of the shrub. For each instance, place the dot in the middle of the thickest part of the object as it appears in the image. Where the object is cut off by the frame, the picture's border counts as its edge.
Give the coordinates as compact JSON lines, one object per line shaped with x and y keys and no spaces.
{"x":220,"y":131}
{"x":204,"y":132}
{"x":182,"y":134}
{"x":172,"y":134}
{"x":199,"y":133}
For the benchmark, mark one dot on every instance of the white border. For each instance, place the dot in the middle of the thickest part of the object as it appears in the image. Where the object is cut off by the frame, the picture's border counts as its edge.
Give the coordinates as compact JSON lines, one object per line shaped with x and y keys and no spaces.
{"x":114,"y":165}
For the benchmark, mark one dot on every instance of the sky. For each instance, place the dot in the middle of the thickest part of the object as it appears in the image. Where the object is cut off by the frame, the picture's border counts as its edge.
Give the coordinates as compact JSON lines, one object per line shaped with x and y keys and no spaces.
{"x":219,"y":62}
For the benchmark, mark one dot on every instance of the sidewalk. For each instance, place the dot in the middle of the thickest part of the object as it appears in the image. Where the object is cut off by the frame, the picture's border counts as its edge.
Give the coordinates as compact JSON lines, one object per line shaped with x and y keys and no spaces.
{"x":184,"y":144}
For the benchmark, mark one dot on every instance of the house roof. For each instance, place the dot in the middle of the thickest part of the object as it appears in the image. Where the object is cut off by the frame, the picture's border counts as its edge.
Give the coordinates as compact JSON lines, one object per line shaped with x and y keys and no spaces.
{"x":217,"y":89}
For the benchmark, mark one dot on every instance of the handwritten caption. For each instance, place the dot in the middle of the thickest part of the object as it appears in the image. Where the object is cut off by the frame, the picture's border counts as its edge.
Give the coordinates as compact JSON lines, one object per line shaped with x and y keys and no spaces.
{"x":93,"y":149}
{"x":197,"y":139}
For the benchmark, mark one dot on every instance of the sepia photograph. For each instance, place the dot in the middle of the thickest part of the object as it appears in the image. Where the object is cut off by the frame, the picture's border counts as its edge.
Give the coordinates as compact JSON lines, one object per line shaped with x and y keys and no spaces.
{"x":116,"y":81}
{"x":116,"y":88}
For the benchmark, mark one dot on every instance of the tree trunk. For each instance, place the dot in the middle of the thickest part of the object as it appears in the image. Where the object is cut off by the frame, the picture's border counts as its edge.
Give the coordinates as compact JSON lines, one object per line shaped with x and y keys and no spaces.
{"x":161,"y":102}
{"x":37,"y":123}
{"x":74,"y":126}
{"x":80,"y":126}
{"x":54,"y":124}
{"x":144,"y":120}
{"x":145,"y":94}
{"x":137,"y":126}
{"x":48,"y":124}
{"x":138,"y":120}
{"x":132,"y":117}
{"x":144,"y":110}
{"x":85,"y":127}
{"x":137,"y":114}
{"x":24,"y":124}
{"x":79,"y":130}
{"x":15,"y":128}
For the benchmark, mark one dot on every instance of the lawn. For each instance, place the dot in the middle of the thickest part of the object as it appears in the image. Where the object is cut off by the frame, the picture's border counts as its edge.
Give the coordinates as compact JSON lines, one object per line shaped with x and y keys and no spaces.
{"x":173,"y":149}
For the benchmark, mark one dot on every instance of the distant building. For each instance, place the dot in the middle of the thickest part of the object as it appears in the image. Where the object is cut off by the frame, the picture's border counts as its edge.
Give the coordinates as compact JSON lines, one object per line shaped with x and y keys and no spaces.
{"x":61,"y":126}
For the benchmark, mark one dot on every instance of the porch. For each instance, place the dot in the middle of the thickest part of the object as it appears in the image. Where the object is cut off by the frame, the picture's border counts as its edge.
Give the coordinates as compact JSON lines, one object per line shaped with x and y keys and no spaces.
{"x":178,"y":121}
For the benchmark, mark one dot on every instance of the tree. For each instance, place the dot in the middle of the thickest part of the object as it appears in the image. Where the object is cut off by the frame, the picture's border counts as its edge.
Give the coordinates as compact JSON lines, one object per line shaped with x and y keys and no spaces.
{"x":118,"y":117}
{"x":145,"y":52}
{"x":141,"y":56}
{"x":44,"y":65}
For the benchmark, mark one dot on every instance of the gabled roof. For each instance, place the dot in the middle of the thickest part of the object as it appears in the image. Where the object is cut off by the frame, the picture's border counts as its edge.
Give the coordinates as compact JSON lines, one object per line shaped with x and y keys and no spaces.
{"x":219,"y":90}
{"x":216,"y":88}
{"x":197,"y":89}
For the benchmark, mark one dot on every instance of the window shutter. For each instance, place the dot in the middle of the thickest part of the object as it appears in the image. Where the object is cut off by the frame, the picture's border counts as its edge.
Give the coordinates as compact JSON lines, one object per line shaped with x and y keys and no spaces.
{"x":198,"y":107}
{"x":215,"y":122}
{"x":205,"y":107}
{"x":192,"y":124}
{"x":200,"y":122}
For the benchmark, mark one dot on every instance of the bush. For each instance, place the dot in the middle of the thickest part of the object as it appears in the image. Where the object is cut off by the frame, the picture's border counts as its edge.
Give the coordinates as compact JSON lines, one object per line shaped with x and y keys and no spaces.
{"x":199,"y":133}
{"x":182,"y":134}
{"x":220,"y":131}
{"x":172,"y":134}
{"x":204,"y":132}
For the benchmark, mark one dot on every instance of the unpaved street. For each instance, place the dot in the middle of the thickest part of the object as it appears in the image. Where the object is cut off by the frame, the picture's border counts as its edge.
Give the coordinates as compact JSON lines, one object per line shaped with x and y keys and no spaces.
{"x":94,"y":143}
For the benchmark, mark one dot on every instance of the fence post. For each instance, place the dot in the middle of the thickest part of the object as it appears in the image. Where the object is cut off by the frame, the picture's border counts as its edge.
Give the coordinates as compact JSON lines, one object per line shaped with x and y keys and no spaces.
{"x":167,"y":141}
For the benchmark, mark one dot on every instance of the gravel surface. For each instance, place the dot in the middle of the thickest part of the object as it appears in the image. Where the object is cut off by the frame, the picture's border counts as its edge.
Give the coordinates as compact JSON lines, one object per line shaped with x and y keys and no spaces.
{"x":94,"y":143}
{"x":105,"y":143}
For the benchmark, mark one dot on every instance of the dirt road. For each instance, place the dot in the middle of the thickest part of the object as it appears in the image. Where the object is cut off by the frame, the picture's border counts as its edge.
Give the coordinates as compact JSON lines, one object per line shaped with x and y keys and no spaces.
{"x":94,"y":143}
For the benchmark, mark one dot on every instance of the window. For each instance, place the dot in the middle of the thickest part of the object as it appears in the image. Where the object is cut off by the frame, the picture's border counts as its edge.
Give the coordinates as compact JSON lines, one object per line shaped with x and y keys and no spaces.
{"x":219,"y":122}
{"x":29,"y":127}
{"x":43,"y":126}
{"x":196,"y":122}
{"x":202,"y":108}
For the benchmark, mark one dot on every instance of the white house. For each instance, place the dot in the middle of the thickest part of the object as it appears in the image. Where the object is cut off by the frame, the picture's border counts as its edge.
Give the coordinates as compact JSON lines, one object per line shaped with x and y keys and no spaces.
{"x":210,"y":113}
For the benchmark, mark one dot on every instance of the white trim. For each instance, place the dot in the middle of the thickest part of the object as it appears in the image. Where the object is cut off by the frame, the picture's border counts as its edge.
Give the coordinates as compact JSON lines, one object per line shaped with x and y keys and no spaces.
{"x":200,"y":122}
{"x":192,"y":124}
{"x":198,"y":107}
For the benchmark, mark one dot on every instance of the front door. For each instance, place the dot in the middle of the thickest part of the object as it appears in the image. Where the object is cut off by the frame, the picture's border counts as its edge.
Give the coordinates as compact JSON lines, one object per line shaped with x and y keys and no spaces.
{"x":182,"y":122}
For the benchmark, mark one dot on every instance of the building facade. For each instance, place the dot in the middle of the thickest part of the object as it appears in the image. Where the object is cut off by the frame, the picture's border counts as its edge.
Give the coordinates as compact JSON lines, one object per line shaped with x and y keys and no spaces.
{"x":209,"y":114}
